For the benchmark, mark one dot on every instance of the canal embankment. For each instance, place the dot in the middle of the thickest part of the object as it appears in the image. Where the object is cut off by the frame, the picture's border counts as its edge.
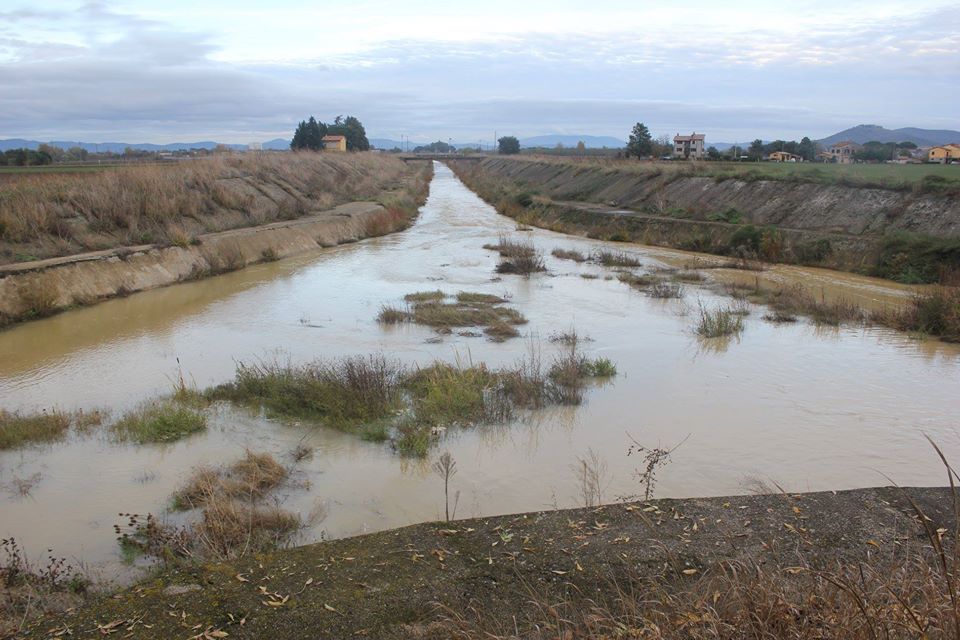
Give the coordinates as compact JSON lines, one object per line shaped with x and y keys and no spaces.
{"x":906,"y":234}
{"x":258,"y":210}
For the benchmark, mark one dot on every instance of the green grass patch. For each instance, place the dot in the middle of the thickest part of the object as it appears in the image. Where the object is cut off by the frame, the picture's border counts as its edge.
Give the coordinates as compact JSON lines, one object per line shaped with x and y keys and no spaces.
{"x":716,"y":323}
{"x":160,"y":421}
{"x":17,"y":430}
{"x":345,"y":394}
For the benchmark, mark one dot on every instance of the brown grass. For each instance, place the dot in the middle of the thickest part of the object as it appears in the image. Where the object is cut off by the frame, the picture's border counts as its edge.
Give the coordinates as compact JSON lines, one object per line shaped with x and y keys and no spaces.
{"x":568,"y":254}
{"x":467,"y":309}
{"x":936,"y":314}
{"x":65,"y":213}
{"x":911,"y":590}
{"x":251,"y":477}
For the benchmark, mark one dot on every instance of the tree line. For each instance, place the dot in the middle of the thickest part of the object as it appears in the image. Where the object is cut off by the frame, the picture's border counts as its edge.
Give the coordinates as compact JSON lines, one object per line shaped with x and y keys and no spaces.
{"x":309,"y":134}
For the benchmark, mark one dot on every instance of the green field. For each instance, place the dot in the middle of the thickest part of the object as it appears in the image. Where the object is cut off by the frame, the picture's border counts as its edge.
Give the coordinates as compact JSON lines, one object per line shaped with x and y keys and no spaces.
{"x":57,"y":168}
{"x":930,"y":178}
{"x":887,"y":175}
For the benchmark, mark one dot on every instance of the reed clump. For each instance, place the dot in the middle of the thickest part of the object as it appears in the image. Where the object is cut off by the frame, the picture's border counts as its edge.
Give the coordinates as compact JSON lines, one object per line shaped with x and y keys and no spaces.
{"x":614,"y":258}
{"x":520,"y":258}
{"x":936,"y":313}
{"x":716,"y":323}
{"x":568,"y":254}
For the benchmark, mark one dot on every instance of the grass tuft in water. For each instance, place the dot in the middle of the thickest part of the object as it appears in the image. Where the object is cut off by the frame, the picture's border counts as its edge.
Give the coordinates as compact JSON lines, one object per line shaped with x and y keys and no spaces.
{"x":17,"y":430}
{"x":614,"y":258}
{"x":163,"y":420}
{"x":343,"y":394}
{"x":715,"y":323}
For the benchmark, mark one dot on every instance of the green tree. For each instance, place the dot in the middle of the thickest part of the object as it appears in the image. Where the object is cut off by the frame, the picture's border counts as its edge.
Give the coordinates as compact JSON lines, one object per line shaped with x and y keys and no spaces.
{"x":713,"y":153}
{"x":352,"y":129}
{"x":806,"y":149}
{"x":308,"y":135}
{"x":756,"y":150}
{"x":641,"y":142}
{"x":508,"y":145}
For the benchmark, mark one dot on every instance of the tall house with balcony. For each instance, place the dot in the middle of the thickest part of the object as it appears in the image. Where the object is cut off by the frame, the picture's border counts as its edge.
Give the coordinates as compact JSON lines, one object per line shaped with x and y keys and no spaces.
{"x":689,"y":147}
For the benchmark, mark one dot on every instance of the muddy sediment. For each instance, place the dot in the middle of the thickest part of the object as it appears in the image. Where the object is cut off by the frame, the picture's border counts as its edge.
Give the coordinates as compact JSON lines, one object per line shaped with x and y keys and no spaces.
{"x":411,"y":582}
{"x":39,"y":288}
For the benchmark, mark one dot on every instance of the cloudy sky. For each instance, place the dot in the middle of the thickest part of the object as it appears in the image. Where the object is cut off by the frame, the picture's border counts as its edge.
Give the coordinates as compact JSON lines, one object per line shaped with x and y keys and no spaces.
{"x":236,"y":71}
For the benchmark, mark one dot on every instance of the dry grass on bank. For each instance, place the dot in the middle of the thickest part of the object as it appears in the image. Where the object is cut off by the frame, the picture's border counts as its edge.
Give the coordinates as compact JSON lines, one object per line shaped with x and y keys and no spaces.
{"x":906,"y":590}
{"x":62,"y":214}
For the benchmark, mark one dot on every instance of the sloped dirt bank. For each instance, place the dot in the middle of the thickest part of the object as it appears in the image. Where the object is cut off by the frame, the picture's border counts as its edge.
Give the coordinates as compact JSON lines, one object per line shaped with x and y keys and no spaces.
{"x":909,"y":236}
{"x":37,"y":289}
{"x":518,"y":575}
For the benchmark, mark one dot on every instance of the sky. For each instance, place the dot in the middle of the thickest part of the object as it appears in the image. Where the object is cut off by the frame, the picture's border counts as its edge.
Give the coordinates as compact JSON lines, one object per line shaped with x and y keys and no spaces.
{"x":241,"y":71}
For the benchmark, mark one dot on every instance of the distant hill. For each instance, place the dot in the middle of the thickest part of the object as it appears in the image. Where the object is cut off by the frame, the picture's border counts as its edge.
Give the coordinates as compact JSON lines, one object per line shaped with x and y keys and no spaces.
{"x":870,"y":132}
{"x":591,"y":142}
{"x":277,"y":144}
{"x":113,"y":147}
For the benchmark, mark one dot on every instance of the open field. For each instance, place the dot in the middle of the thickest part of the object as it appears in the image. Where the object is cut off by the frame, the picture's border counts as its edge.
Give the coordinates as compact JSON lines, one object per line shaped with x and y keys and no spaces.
{"x":56,"y":169}
{"x":885,"y":176}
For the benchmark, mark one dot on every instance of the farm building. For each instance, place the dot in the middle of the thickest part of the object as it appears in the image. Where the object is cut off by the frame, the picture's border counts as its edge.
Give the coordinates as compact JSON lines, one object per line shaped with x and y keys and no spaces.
{"x":334,"y":143}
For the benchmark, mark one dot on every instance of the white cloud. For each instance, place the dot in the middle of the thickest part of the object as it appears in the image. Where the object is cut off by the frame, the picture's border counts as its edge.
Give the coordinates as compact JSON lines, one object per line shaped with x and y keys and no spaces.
{"x":236,"y":71}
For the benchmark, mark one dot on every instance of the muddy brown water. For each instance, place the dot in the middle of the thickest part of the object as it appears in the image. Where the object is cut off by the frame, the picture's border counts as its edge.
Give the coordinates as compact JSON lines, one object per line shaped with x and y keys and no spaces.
{"x":805,"y":407}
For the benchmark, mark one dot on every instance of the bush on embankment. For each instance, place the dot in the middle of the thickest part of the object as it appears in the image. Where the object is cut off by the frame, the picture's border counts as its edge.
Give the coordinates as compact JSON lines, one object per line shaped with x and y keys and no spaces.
{"x":60,"y":214}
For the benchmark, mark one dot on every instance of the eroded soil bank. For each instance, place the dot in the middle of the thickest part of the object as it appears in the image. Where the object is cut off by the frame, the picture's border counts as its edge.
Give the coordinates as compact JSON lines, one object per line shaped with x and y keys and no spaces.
{"x":500,"y":574}
{"x":908,"y":235}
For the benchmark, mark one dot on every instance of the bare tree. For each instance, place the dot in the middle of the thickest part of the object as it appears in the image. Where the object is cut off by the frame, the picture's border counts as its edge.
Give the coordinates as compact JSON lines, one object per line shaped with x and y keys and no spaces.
{"x":446,"y":468}
{"x":591,"y":472}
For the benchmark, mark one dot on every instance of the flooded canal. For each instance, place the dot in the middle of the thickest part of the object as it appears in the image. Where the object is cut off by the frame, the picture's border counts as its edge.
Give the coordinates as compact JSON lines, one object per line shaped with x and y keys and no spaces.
{"x":805,"y":407}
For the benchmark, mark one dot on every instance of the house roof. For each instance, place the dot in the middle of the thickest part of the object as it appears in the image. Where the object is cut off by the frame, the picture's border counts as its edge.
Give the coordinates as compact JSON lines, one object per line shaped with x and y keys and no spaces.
{"x":690,"y":138}
{"x":845,"y":143}
{"x":333,"y":138}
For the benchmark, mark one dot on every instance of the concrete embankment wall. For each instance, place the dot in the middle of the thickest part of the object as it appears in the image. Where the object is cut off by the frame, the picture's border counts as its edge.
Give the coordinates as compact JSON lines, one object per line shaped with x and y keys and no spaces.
{"x":786,"y":204}
{"x":35,"y":289}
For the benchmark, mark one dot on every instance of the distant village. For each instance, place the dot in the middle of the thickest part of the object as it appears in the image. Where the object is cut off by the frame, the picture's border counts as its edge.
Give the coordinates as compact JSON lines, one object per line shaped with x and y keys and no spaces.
{"x":693,"y":147}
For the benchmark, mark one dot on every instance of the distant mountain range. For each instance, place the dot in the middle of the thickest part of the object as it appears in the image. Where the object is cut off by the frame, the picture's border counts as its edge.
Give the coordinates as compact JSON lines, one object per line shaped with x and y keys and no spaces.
{"x":549,"y":141}
{"x":871,"y":132}
{"x":859,"y":134}
{"x":114,"y":147}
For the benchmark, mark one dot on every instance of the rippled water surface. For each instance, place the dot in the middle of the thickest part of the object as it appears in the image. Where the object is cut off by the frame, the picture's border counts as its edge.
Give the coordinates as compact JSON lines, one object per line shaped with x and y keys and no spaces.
{"x":806,"y":407}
